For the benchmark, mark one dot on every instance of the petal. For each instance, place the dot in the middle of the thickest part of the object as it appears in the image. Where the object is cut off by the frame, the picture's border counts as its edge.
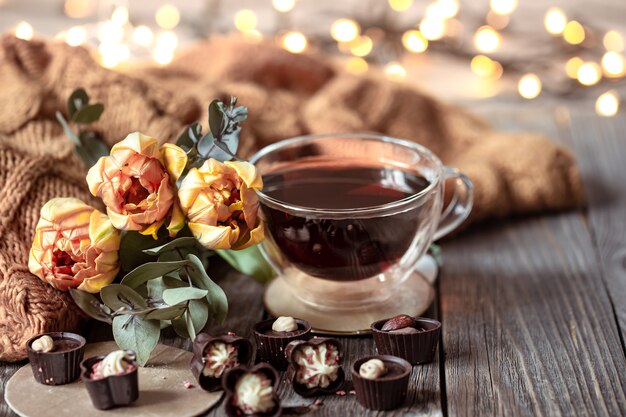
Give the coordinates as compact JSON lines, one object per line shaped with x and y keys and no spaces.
{"x":123,"y":222}
{"x":255,"y":236}
{"x":102,"y":234}
{"x":136,"y":142}
{"x":95,"y":284}
{"x":153,"y":230}
{"x":212,"y":237}
{"x":177,"y":222}
{"x":95,"y":177}
{"x":174,"y":159}
{"x":247,"y":172}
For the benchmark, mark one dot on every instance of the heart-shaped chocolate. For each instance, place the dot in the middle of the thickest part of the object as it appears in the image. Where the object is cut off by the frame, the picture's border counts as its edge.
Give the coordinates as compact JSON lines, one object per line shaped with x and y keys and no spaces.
{"x":315,"y":366}
{"x":214,"y":355}
{"x":242,"y":384}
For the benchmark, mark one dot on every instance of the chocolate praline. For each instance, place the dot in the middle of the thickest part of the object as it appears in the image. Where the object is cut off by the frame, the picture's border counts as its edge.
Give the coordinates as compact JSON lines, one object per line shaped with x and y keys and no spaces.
{"x":271,"y":345}
{"x":416,"y":348}
{"x":229,"y":383}
{"x":298,"y":370}
{"x":111,"y":391}
{"x":198,"y":362}
{"x":61,"y":365}
{"x":386,"y":392}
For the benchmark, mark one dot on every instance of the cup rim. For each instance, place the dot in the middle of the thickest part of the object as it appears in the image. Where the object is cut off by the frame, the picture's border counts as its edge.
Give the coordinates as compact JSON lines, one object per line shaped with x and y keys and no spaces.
{"x":359,"y":210}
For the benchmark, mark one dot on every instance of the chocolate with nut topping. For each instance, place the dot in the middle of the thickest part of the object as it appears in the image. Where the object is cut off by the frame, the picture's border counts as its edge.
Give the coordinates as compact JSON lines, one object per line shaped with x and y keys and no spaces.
{"x":315,"y":366}
{"x":214,"y":355}
{"x":413,"y":339}
{"x":271,"y":344}
{"x":381,"y":382}
{"x":55,"y":357}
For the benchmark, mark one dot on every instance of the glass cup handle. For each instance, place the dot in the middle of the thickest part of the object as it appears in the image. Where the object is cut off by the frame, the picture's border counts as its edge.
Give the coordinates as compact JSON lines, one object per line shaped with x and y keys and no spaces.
{"x":459,"y":207}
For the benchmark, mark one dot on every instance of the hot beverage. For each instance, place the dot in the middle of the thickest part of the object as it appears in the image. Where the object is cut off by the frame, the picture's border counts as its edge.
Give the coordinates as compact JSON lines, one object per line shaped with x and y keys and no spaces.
{"x":336,"y":243}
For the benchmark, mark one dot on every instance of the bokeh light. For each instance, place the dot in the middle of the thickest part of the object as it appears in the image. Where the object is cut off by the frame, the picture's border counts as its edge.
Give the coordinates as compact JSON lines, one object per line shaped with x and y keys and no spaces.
{"x":613,"y":64}
{"x":356,"y":65}
{"x":245,"y":20}
{"x":485,"y":67}
{"x":432,"y":29}
{"x":607,"y":104}
{"x":529,"y":86}
{"x":76,"y":35}
{"x":486,"y":39}
{"x":283,"y":6}
{"x":503,"y":7}
{"x":167,"y":40}
{"x":143,"y":36}
{"x":400,"y":5}
{"x":167,"y":16}
{"x":77,"y":9}
{"x":414,"y":41}
{"x":24,"y":30}
{"x":589,"y":73}
{"x":613,"y":41}
{"x":395,"y":71}
{"x":120,"y":16}
{"x":344,"y":30}
{"x":110,"y":32}
{"x":555,"y":21}
{"x":162,"y":56}
{"x":572,"y":65}
{"x":294,"y":42}
{"x":574,"y":33}
{"x":361,"y":46}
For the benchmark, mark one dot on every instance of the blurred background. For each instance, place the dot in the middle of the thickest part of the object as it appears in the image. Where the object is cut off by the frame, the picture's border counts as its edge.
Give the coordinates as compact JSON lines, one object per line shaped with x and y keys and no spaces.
{"x":459,"y":50}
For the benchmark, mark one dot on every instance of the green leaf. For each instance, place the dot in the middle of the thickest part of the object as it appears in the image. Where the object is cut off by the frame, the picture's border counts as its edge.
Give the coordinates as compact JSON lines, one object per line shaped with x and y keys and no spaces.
{"x":158,"y":285}
{"x":216,"y":118}
{"x":190,"y":136}
{"x":133,"y":246}
{"x":89,"y":113}
{"x":151,"y":270}
{"x":166,"y":313}
{"x":189,"y":324}
{"x":435,"y":251}
{"x":76,"y":101}
{"x":180,"y":327}
{"x":92,"y":147}
{"x":198,"y":310}
{"x":91,"y":305}
{"x":119,"y":296}
{"x":216,"y":296}
{"x":249,"y":261}
{"x":137,"y":334}
{"x":173,"y":296}
{"x":68,"y":131}
{"x":180,"y":242}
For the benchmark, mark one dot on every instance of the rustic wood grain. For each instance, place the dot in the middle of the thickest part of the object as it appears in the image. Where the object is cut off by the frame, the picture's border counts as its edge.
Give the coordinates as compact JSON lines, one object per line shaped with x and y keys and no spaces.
{"x":600,"y":144}
{"x":528,"y":324}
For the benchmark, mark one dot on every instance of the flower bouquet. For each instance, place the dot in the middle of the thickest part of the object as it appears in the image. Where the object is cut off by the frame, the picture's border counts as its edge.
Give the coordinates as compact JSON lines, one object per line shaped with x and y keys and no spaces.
{"x":169,"y":208}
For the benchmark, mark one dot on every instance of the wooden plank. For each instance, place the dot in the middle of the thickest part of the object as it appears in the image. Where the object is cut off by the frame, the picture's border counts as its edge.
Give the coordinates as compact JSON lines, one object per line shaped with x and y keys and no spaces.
{"x":600,"y":144}
{"x":528,"y":324}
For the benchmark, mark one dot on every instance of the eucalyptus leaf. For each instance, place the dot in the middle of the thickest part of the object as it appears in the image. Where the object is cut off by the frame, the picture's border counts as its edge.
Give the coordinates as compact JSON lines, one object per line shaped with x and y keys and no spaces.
{"x":249,"y":261}
{"x":216,"y":118}
{"x":89,"y":113}
{"x":76,"y":101}
{"x":166,"y":313}
{"x":91,"y":305}
{"x":158,"y":285}
{"x":198,"y":310}
{"x":138,"y":334}
{"x":190,"y":327}
{"x":190,"y":136}
{"x":231,"y":140}
{"x":173,"y":296}
{"x":151,"y":270}
{"x":180,"y":327}
{"x":119,"y":296}
{"x":93,"y":147}
{"x":133,"y":246}
{"x":68,"y":131}
{"x":216,"y":297}
{"x":170,"y":246}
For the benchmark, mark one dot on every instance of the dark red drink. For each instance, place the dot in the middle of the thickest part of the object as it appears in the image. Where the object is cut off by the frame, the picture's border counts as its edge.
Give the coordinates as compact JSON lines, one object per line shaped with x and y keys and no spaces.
{"x":341,"y":246}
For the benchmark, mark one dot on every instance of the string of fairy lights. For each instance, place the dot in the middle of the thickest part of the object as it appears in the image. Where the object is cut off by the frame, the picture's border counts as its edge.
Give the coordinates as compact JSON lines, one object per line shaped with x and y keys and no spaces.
{"x":583,"y":56}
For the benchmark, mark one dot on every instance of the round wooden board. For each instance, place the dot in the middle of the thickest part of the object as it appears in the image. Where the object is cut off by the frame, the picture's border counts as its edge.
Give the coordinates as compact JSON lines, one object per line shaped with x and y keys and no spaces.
{"x":161,"y":390}
{"x":415,"y":297}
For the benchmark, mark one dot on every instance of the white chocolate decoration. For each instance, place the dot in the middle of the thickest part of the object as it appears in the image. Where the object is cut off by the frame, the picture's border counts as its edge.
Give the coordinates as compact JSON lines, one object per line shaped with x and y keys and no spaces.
{"x":43,"y":344}
{"x":372,"y":369}
{"x":285,"y":324}
{"x":116,"y":363}
{"x":254,"y":394}
{"x":317,"y":365}
{"x":218,"y":357}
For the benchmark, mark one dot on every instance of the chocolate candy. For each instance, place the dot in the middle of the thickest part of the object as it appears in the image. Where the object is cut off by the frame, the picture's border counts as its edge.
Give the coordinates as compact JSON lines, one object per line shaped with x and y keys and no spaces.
{"x":315,"y":366}
{"x":57,"y":364}
{"x":385,"y":391}
{"x":271,"y":344}
{"x":251,"y":392}
{"x":416,"y":343}
{"x":111,"y":380}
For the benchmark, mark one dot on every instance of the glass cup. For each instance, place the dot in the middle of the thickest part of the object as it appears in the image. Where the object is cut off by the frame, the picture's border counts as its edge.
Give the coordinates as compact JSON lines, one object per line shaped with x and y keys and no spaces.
{"x":354,"y":254}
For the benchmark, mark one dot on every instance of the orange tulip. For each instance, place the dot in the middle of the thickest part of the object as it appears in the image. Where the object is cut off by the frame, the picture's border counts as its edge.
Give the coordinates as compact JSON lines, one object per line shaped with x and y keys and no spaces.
{"x":136,"y":183}
{"x":221,"y":204}
{"x":75,"y":246}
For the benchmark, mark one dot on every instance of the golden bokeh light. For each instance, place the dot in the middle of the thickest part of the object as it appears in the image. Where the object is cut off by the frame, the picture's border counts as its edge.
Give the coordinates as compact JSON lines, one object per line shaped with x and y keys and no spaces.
{"x":167,"y":16}
{"x":432,"y":29}
{"x":414,"y":41}
{"x":167,"y":40}
{"x":589,"y":73}
{"x":294,"y":42}
{"x":497,"y":21}
{"x":356,"y":65}
{"x":503,"y":7}
{"x":162,"y":56}
{"x":607,"y":104}
{"x":77,"y":9}
{"x":76,"y":35}
{"x":245,"y":20}
{"x":485,"y":67}
{"x":24,"y":30}
{"x":613,"y":64}
{"x":112,"y":54}
{"x":442,"y":9}
{"x":529,"y":86}
{"x":110,"y":32}
{"x":572,"y":65}
{"x":400,"y":5}
{"x":613,"y":41}
{"x":120,"y":16}
{"x":143,"y":36}
{"x":361,"y":46}
{"x":486,"y":39}
{"x":283,"y":6}
{"x":574,"y":33}
{"x":395,"y":71}
{"x":253,"y":36}
{"x":555,"y":21}
{"x":345,"y":30}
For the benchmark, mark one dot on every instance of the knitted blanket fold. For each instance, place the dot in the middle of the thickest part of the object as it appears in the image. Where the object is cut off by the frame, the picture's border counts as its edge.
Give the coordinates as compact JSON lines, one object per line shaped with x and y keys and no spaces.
{"x":287,"y":94}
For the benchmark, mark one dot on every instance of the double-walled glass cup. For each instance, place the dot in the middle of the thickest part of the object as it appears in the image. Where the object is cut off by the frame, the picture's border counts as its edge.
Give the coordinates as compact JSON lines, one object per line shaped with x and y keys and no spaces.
{"x":351,"y":258}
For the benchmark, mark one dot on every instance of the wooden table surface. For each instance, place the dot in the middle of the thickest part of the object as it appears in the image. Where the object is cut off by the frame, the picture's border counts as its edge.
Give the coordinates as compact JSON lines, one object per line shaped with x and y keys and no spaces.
{"x":533,"y":309}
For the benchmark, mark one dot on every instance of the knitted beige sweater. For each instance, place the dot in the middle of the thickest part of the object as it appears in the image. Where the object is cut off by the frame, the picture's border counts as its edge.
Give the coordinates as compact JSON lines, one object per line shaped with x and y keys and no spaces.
{"x":287,"y":95}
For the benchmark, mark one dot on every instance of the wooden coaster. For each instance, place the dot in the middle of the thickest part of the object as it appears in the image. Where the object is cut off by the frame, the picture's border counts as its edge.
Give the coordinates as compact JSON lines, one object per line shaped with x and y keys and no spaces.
{"x":415,"y":297}
{"x":161,"y":390}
